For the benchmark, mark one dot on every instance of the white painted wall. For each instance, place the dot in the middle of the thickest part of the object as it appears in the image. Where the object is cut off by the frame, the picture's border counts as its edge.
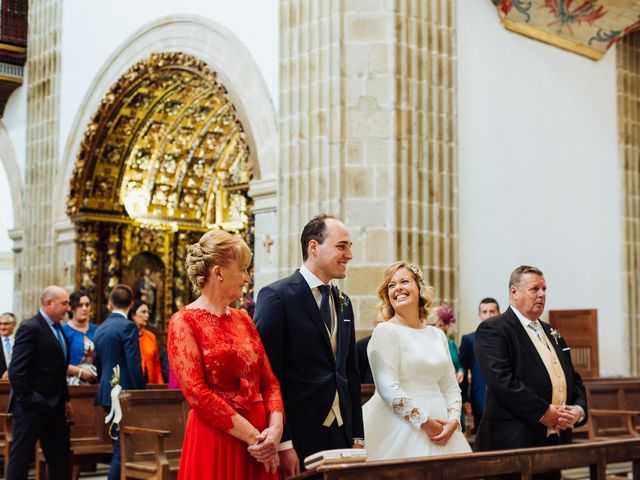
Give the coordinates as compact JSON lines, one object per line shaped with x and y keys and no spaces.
{"x":539,"y":175}
{"x":6,"y":254}
{"x":94,"y":29}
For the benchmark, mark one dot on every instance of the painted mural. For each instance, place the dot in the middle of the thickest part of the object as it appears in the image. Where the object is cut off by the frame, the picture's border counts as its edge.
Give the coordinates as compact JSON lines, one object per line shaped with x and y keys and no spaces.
{"x":586,"y":27}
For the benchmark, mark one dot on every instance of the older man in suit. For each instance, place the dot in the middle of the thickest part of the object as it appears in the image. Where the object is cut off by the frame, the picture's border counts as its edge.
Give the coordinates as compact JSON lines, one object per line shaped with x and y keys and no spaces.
{"x":7,"y":325}
{"x":39,"y":393}
{"x":117,"y":343}
{"x":307,"y":329}
{"x":534,"y":395}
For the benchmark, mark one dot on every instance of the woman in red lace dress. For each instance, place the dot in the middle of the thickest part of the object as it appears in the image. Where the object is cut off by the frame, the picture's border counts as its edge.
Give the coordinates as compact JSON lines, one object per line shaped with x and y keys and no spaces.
{"x":235,"y":422}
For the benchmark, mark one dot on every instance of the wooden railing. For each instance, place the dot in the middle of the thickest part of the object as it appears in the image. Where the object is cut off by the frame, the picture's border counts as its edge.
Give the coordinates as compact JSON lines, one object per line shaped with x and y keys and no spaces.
{"x":524,"y":462}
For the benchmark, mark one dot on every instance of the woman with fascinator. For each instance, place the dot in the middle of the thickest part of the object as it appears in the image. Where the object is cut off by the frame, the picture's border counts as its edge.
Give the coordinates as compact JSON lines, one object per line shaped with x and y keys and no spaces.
{"x":415,"y":410}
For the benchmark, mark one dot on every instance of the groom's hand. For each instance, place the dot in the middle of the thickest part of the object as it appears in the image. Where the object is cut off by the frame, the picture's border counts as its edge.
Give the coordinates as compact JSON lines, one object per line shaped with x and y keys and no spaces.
{"x":289,"y":464}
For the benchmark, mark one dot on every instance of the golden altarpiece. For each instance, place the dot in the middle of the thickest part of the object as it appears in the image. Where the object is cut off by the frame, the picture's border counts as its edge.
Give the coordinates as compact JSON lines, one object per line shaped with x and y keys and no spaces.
{"x":163,"y":160}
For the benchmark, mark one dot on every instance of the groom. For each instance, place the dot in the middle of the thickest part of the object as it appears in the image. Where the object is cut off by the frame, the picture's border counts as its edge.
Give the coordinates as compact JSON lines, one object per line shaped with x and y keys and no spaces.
{"x":307,"y":329}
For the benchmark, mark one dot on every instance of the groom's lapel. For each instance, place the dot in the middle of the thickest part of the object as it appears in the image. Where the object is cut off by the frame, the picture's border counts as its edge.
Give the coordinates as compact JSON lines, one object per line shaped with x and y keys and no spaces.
{"x":303,"y":292}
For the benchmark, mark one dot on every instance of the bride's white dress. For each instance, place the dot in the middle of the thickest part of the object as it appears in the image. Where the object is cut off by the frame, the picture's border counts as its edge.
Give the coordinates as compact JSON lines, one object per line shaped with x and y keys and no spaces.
{"x":415,"y":380}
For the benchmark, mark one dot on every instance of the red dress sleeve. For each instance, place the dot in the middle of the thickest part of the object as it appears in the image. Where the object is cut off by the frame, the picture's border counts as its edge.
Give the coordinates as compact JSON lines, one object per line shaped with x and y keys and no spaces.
{"x":185,"y":357}
{"x":269,"y":384}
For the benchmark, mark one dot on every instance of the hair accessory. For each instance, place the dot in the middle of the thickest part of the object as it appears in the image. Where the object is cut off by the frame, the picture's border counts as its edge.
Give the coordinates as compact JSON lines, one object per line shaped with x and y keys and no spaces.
{"x":417,"y":272}
{"x":445,"y":313}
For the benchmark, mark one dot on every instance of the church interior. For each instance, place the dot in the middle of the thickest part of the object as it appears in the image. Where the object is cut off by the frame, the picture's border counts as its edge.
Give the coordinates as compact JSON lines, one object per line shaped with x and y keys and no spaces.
{"x":466,"y":137}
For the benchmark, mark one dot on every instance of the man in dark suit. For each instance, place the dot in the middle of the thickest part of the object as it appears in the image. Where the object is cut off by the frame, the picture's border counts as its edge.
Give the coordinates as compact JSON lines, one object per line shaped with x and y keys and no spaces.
{"x":7,"y":325}
{"x":473,"y":391}
{"x":117,"y":343}
{"x":534,"y":395}
{"x":307,"y":328}
{"x":39,"y":393}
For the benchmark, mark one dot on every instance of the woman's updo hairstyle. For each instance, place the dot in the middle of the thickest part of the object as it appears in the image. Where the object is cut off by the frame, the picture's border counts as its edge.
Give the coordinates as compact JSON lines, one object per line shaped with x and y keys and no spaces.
{"x":216,"y":247}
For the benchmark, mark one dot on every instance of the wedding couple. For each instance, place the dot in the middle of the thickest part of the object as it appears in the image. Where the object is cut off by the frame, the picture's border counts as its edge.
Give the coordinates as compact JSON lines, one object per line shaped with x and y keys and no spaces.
{"x":307,"y":328}
{"x":417,"y":403}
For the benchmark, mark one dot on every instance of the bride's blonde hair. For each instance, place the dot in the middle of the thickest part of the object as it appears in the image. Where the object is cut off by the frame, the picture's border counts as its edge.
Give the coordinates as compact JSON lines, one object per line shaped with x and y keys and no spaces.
{"x":426,"y":291}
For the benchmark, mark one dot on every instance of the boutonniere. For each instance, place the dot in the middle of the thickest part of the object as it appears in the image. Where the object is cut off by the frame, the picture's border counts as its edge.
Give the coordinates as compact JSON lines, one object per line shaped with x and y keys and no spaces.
{"x":556,"y":335}
{"x":343,"y":300}
{"x":115,"y":378}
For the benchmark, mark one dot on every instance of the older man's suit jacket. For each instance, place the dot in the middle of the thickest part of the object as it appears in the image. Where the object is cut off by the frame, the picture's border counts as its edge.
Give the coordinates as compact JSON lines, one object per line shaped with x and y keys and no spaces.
{"x":38,"y":368}
{"x":518,"y":385}
{"x":117,"y":343}
{"x":298,"y":346}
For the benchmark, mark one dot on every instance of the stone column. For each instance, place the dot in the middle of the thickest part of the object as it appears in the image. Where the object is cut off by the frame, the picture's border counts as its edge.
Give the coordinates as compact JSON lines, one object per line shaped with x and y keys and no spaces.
{"x":368,"y":133}
{"x":37,"y":263}
{"x":628,"y":71}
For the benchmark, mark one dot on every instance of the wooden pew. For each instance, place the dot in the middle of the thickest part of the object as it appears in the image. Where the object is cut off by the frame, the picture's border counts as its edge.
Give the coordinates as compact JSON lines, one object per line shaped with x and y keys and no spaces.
{"x":366,"y":392}
{"x":614,"y":408}
{"x":524,"y":462}
{"x":151,"y":433}
{"x":6,"y":424}
{"x":89,"y":438}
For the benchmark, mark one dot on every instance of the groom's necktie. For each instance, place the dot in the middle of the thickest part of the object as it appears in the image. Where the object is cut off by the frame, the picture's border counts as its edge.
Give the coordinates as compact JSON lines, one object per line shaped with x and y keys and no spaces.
{"x":537,"y":328}
{"x":63,"y":346}
{"x":325,"y":307}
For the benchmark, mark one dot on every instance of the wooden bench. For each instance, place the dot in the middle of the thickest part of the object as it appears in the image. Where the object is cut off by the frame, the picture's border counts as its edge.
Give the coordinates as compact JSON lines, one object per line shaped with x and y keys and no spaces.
{"x":89,"y":439}
{"x":6,"y":424}
{"x":525,"y":462}
{"x":366,"y":392}
{"x":151,"y":433}
{"x":614,"y":409}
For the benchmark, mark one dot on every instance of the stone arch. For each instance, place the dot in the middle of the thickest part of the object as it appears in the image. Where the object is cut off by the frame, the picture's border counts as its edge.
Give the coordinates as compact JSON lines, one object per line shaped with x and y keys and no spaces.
{"x":12,"y":170}
{"x":211,"y":43}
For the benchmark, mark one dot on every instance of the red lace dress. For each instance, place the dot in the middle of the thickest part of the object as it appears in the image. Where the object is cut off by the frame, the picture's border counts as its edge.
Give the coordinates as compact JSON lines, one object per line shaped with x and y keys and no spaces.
{"x":222,"y":369}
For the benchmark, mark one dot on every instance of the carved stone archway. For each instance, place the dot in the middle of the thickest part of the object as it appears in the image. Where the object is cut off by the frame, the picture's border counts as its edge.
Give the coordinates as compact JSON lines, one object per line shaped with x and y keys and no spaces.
{"x":163,"y":159}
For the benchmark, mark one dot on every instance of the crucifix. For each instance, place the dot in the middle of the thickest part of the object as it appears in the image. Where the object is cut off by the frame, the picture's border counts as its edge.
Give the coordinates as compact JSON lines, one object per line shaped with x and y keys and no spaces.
{"x":267,"y":242}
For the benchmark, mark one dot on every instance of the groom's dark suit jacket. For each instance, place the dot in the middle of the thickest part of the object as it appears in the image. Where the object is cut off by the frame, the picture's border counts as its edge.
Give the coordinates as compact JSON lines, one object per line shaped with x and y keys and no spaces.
{"x":518,"y":385}
{"x":297,"y":343}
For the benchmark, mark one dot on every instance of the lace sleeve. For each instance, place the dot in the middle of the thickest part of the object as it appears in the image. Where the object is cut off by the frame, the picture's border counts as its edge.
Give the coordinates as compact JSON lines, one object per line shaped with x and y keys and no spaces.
{"x":449,"y":385}
{"x":187,"y":365}
{"x":269,"y":385}
{"x":384,"y":358}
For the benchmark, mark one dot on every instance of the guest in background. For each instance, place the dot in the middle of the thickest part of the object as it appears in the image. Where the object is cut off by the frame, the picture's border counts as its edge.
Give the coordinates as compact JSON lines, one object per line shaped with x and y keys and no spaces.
{"x":117,"y":343}
{"x":79,"y":332}
{"x":7,"y":325}
{"x":415,"y":409}
{"x":39,"y":392}
{"x":473,"y":391}
{"x":151,"y":368}
{"x":235,"y":422}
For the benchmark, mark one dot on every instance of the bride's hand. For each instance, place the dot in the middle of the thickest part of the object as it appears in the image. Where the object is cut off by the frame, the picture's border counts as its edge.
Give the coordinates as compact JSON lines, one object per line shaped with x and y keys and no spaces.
{"x":447,"y":430}
{"x":432,"y":426}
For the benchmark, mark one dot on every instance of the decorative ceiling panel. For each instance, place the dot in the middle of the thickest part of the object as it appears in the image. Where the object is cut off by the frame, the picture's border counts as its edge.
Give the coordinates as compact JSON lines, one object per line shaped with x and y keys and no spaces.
{"x":586,"y":27}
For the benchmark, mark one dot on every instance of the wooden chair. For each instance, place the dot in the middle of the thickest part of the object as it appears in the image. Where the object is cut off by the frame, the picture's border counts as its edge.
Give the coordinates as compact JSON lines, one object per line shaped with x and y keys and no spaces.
{"x":151,"y":433}
{"x":89,"y":440}
{"x":614,"y":409}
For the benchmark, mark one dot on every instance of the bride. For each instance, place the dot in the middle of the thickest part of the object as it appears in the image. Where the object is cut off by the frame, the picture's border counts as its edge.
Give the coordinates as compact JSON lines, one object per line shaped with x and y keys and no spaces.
{"x":415,"y":410}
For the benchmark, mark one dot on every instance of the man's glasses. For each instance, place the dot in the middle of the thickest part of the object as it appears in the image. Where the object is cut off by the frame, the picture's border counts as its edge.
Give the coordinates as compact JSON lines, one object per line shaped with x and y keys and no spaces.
{"x":5,"y":324}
